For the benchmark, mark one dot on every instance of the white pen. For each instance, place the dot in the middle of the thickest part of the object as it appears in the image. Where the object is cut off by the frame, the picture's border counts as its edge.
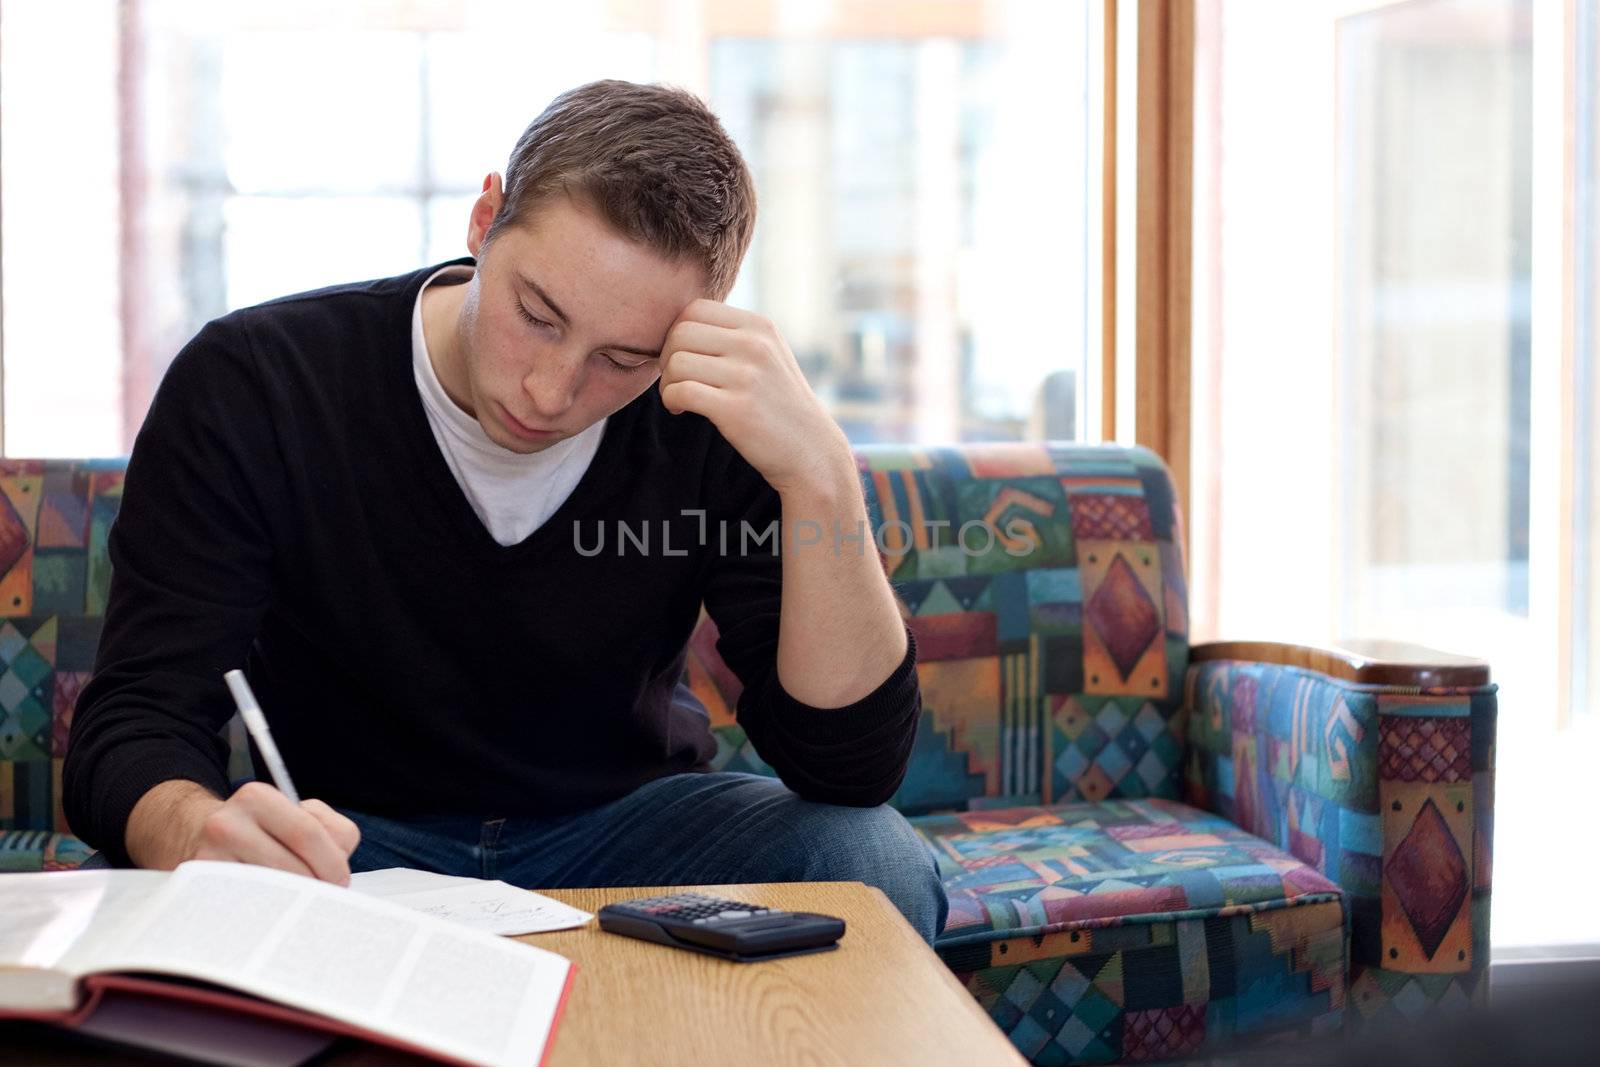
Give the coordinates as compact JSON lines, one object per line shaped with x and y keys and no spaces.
{"x":256,"y":723}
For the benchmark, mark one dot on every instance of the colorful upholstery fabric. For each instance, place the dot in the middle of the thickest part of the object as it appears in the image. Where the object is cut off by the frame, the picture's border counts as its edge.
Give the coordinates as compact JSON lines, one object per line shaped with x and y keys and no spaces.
{"x":54,"y":573}
{"x":1046,"y":588}
{"x":40,"y":850}
{"x":1136,"y":929}
{"x":1386,"y":790}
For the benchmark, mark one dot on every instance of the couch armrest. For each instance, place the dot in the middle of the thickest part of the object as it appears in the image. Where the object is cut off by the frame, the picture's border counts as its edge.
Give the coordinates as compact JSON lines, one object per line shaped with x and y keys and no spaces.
{"x":1374,"y":762}
{"x":1369,"y":662}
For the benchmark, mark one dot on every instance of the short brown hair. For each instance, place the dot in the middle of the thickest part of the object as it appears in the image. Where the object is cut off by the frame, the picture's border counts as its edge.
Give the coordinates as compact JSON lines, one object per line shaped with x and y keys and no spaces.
{"x":653,"y":159}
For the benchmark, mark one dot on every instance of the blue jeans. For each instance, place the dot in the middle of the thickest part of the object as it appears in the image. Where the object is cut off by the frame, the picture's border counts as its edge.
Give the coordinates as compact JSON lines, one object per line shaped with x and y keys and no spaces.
{"x":682,"y":829}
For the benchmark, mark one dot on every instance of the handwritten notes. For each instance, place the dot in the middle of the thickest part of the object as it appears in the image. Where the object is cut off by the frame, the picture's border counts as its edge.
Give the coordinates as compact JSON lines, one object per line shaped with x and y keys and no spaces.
{"x":490,"y":906}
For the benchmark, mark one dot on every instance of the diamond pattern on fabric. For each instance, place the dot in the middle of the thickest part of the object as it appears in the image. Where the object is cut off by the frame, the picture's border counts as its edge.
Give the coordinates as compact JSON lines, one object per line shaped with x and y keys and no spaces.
{"x":1124,"y":616}
{"x":1112,"y":517}
{"x":1386,"y":790}
{"x":1162,"y":1032}
{"x":1157,"y":987}
{"x":1426,"y":749}
{"x":1429,"y":876}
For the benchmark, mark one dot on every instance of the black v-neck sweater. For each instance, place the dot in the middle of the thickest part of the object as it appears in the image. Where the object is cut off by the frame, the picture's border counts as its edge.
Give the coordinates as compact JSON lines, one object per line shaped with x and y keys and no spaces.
{"x":287,"y":509}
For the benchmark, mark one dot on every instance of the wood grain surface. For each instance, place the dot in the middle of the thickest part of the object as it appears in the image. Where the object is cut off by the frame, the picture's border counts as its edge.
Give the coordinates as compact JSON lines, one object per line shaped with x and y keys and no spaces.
{"x":882,"y":997}
{"x":1372,"y":662}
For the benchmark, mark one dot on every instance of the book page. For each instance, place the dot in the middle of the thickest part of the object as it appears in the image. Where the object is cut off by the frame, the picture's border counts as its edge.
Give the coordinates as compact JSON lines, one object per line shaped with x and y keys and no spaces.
{"x":54,"y":922}
{"x":362,"y":960}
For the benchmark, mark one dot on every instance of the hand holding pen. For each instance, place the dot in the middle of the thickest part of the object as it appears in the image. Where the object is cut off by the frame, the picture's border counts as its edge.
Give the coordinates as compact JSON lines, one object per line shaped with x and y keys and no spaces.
{"x":270,"y":826}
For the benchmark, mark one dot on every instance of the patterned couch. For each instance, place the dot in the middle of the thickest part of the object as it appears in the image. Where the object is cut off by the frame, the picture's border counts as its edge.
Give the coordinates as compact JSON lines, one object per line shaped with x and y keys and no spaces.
{"x":1150,"y":849}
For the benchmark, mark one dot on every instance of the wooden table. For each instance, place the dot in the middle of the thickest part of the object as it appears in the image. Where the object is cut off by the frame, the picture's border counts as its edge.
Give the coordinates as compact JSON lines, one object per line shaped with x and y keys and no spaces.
{"x":881,"y":997}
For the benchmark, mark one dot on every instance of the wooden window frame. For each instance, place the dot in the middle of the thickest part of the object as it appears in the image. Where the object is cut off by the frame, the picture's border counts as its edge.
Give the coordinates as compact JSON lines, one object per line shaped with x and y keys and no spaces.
{"x":1156,"y":316}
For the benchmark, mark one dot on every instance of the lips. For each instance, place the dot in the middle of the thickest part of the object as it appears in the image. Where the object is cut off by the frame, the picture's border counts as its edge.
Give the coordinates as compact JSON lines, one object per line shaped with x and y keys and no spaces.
{"x":522,"y":429}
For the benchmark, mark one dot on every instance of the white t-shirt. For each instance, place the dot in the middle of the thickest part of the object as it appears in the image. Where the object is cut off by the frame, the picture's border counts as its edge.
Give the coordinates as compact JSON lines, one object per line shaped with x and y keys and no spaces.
{"x":513,"y":494}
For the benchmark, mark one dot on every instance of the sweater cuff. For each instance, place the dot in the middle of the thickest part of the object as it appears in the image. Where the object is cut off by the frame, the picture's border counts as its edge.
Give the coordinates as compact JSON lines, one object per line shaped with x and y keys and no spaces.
{"x":880,"y":713}
{"x":129,"y":771}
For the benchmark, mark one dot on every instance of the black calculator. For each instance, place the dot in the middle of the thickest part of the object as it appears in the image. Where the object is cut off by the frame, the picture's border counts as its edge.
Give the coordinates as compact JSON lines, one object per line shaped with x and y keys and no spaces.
{"x":720,"y":927}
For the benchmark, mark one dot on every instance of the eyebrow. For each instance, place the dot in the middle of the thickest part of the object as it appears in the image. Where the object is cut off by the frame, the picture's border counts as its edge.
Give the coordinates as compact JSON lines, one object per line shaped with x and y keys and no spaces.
{"x":538,"y":291}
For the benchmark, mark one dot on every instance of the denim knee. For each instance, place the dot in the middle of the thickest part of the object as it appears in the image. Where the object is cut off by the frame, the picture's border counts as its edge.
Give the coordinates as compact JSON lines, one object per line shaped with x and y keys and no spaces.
{"x":878,"y":847}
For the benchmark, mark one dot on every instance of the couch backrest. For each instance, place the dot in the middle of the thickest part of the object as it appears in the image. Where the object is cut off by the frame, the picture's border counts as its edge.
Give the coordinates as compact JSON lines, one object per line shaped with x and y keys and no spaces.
{"x":1051,"y":662}
{"x":1045,"y":583}
{"x":54,"y":516}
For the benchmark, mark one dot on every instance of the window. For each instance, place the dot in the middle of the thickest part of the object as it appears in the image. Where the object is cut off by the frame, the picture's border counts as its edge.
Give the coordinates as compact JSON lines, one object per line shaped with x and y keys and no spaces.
{"x":1583,"y":250}
{"x":926,"y":177}
{"x":1393,"y":275}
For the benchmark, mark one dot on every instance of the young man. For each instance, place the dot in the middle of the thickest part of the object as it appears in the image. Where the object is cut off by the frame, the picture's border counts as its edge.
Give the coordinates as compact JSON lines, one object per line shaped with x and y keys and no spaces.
{"x":416,"y":511}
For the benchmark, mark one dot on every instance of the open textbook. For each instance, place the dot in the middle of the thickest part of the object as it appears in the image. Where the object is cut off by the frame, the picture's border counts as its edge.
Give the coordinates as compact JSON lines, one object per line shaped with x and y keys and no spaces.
{"x":276,"y":946}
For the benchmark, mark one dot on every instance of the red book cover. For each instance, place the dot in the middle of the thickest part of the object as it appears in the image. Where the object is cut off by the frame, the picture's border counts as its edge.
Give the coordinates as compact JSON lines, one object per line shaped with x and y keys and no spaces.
{"x":100,"y":986}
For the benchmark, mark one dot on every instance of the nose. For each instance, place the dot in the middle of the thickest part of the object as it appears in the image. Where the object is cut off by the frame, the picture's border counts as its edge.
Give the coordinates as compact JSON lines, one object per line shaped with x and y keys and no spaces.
{"x":553,"y":382}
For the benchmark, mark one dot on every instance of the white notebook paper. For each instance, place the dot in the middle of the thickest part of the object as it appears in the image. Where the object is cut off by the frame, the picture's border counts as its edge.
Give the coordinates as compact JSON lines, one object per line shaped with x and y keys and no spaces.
{"x":483,"y":904}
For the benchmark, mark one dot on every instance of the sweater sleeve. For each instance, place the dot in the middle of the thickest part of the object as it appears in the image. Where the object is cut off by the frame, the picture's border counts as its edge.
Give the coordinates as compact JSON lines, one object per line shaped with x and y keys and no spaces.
{"x":855,"y":754}
{"x":191,"y":573}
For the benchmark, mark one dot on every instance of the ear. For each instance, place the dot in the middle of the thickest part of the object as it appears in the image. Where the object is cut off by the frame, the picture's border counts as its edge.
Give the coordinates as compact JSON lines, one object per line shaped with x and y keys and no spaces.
{"x":484,"y":210}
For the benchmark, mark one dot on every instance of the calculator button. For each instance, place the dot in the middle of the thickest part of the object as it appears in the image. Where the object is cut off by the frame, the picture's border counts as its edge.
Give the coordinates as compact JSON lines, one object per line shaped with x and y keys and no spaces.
{"x":736,"y":914}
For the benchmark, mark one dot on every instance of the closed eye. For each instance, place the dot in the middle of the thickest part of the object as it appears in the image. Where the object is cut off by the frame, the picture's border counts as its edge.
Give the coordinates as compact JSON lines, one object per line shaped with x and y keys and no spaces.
{"x":531,"y":318}
{"x":617,"y":363}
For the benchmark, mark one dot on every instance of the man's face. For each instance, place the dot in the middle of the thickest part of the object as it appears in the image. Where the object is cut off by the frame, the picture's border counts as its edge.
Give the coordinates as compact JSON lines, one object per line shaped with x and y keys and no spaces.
{"x":563,"y":322}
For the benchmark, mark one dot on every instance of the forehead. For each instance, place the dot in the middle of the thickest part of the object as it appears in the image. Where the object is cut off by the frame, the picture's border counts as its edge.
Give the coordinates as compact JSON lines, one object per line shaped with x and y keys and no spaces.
{"x":589,"y":267}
